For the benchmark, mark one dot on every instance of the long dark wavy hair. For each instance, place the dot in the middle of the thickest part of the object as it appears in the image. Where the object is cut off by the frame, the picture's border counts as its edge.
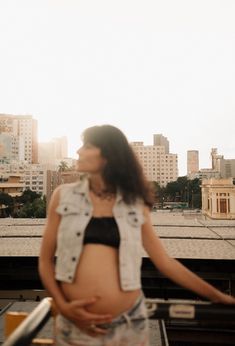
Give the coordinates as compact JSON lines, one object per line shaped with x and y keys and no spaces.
{"x":123,"y":170}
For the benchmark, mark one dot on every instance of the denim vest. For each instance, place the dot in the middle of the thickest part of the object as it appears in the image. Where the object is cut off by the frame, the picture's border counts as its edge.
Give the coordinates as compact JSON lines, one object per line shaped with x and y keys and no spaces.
{"x":76,"y":210}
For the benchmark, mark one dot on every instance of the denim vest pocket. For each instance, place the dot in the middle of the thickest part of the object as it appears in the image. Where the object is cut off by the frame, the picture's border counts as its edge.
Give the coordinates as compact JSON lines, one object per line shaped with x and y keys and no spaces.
{"x":134,"y":218}
{"x":67,"y":209}
{"x":134,"y":221}
{"x":70,"y":216}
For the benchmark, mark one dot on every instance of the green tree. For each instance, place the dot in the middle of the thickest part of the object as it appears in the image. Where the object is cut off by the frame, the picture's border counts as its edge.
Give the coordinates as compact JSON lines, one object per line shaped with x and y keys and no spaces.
{"x":184,"y":190}
{"x":6,"y":199}
{"x":172,"y":191}
{"x":39,"y":208}
{"x":159,"y":192}
{"x":195,"y":197}
{"x":29,"y":204}
{"x":28,"y":196}
{"x":36,"y":209}
{"x":63,"y":166}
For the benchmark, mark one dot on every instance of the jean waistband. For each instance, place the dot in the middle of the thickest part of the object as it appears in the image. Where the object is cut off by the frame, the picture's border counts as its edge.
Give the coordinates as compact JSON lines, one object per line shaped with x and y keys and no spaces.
{"x":126,"y":316}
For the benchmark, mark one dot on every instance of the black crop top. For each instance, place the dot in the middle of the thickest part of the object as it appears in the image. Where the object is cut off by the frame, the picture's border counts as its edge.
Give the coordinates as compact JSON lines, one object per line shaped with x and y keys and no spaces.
{"x":102,"y":230}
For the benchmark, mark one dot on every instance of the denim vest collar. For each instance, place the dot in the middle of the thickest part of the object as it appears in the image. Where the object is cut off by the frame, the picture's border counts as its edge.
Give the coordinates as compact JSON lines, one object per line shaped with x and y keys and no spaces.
{"x":82,"y":188}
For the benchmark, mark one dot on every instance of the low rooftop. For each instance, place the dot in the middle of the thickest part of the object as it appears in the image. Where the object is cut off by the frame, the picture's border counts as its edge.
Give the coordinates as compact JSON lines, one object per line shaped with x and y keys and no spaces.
{"x":184,"y":234}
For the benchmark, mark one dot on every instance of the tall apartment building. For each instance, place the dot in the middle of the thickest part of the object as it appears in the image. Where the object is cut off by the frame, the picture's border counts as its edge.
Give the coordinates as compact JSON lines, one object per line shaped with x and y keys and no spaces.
{"x":159,"y":139}
{"x":53,"y":151}
{"x":192,"y":162}
{"x":61,"y":147}
{"x":226,"y":167}
{"x":158,"y":164}
{"x":33,"y":176}
{"x":11,"y":148}
{"x":46,"y":152}
{"x":25,"y":128}
{"x":12,"y":185}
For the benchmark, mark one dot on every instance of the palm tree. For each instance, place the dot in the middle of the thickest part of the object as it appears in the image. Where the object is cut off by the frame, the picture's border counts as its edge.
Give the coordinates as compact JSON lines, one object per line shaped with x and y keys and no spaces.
{"x":63,"y":166}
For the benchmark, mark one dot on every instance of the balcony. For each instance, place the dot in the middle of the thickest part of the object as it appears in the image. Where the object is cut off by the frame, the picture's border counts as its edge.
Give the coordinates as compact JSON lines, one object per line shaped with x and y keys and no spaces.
{"x":205,"y":246}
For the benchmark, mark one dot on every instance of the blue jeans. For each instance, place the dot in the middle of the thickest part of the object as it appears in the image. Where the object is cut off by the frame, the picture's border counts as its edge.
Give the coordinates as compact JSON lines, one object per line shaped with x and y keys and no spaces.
{"x":128,"y":329}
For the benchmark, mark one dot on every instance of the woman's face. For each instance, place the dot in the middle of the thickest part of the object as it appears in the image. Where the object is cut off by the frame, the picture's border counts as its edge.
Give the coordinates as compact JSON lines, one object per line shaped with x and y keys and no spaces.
{"x":90,"y":159}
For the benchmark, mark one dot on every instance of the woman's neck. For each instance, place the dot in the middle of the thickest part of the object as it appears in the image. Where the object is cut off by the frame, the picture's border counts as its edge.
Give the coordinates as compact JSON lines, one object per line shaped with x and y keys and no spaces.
{"x":100,"y":189}
{"x":96,"y":182}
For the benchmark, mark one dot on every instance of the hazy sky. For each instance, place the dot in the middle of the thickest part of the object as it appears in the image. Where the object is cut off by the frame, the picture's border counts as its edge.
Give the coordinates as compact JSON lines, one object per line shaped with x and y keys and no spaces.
{"x":146,"y":66}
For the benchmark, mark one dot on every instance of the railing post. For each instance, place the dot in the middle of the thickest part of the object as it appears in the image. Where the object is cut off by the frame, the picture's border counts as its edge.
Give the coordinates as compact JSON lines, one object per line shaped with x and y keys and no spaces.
{"x":29,"y":327}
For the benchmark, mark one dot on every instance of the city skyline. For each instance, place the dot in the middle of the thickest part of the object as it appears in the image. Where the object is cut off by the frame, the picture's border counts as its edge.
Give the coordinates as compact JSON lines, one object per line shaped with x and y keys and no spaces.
{"x":153,"y":144}
{"x":145,"y":66}
{"x":51,"y":141}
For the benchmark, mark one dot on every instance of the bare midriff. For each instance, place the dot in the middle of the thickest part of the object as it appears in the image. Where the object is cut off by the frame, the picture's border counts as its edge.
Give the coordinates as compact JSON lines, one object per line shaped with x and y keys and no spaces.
{"x":97,"y":274}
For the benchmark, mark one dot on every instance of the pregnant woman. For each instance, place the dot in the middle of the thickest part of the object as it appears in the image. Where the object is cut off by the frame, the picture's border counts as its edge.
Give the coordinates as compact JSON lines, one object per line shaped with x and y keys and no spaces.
{"x":96,"y":228}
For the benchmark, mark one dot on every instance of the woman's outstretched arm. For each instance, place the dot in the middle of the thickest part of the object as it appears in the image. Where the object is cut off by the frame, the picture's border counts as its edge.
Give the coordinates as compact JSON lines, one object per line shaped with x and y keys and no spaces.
{"x":176,"y":271}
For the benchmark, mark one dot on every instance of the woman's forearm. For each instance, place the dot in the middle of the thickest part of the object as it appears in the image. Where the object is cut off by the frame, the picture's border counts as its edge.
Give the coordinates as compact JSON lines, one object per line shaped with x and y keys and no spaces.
{"x":47,"y":274}
{"x":184,"y":277}
{"x":176,"y":271}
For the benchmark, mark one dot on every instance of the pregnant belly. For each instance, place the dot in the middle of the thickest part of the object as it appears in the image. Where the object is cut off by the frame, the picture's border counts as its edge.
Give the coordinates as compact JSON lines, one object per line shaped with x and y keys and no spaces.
{"x":97,"y":275}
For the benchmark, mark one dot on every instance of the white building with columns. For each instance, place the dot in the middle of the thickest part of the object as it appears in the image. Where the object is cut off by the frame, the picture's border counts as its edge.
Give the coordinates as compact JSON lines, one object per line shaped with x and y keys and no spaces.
{"x":218,"y":198}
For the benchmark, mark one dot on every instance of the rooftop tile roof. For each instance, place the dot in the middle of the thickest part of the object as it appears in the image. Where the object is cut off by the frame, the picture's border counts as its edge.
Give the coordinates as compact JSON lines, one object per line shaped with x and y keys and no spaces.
{"x":183,"y":235}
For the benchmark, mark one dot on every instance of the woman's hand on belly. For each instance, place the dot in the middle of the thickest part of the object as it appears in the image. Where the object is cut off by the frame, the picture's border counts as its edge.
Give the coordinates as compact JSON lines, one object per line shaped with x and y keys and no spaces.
{"x":76,"y":311}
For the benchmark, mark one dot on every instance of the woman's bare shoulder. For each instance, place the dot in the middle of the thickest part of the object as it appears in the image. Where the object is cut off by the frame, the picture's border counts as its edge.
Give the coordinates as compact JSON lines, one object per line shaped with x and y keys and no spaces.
{"x":55,"y":199}
{"x":146,"y":211}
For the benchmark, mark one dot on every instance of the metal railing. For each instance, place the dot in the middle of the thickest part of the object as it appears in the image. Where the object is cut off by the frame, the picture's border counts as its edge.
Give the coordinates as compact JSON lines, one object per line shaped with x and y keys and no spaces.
{"x":157,"y":309}
{"x":189,"y":310}
{"x":31,"y":325}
